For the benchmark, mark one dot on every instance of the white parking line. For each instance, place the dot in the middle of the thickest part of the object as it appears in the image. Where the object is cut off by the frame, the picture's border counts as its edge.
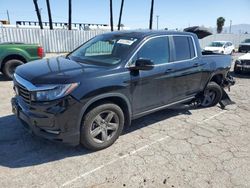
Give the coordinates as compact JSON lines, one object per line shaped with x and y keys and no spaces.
{"x":211,"y":117}
{"x":131,"y":153}
{"x":115,"y":160}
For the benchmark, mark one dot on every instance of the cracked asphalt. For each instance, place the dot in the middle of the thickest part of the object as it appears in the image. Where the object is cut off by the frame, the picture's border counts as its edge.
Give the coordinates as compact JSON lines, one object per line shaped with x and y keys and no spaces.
{"x":178,"y":147}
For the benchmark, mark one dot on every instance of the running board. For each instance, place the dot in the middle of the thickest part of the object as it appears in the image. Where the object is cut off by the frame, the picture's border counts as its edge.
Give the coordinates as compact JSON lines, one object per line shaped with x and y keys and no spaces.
{"x":162,"y":107}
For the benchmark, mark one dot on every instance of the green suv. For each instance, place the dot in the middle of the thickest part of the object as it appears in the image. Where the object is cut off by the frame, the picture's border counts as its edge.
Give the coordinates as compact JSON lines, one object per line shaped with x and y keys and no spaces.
{"x":15,"y":54}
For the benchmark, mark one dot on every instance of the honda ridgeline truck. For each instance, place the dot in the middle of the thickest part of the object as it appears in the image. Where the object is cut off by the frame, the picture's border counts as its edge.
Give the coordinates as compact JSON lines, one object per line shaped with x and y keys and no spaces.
{"x":92,"y":94}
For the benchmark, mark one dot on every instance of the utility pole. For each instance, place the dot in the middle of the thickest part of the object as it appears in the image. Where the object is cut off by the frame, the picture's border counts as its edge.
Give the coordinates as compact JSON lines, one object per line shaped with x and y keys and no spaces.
{"x":49,"y":14}
{"x":111,"y":15}
{"x":120,"y":16}
{"x":230,"y":28}
{"x":70,"y":14}
{"x":8,"y":16}
{"x":151,"y":15}
{"x":38,"y":14}
{"x":157,"y":21}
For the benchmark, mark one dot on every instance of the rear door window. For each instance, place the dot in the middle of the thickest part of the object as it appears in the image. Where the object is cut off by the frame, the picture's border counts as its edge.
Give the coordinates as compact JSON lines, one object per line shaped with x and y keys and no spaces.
{"x":184,"y":48}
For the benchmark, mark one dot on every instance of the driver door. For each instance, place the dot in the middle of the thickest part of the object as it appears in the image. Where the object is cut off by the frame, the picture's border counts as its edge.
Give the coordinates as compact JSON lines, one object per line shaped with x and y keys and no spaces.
{"x":147,"y":85}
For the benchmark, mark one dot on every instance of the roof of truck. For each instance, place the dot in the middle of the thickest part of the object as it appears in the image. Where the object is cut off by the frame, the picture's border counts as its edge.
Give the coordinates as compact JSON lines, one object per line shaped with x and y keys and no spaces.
{"x":147,"y":33}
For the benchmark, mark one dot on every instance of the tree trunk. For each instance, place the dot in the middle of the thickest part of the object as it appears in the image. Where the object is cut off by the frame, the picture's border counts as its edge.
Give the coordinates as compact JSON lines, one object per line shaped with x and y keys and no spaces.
{"x":120,"y":17}
{"x":151,"y":15}
{"x":111,"y":15}
{"x":49,"y":14}
{"x":70,"y":14}
{"x":38,"y":14}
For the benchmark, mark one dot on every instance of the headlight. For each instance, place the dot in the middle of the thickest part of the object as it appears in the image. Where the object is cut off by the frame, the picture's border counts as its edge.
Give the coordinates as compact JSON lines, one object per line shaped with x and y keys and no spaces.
{"x":55,"y":92}
{"x":237,"y":62}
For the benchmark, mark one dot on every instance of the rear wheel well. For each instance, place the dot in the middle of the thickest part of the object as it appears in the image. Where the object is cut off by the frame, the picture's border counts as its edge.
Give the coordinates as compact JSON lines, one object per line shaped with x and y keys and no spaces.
{"x":116,"y":100}
{"x":218,"y":78}
{"x":9,"y":57}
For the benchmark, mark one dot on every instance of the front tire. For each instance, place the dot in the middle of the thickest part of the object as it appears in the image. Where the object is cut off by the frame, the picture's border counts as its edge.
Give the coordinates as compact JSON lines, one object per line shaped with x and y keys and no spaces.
{"x":10,"y":67}
{"x":102,"y":126}
{"x":212,"y":95}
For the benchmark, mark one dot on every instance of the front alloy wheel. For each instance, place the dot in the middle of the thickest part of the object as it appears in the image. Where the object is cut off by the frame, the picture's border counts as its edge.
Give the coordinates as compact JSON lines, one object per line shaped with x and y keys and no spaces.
{"x":102,"y":126}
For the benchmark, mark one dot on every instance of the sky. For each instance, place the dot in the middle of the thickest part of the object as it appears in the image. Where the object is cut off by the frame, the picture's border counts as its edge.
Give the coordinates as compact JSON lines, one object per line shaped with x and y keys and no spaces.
{"x":172,"y":14}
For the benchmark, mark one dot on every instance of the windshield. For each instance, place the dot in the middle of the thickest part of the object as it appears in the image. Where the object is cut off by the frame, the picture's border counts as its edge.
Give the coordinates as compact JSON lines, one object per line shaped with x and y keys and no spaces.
{"x":104,"y":50}
{"x":246,"y":41}
{"x":217,"y":44}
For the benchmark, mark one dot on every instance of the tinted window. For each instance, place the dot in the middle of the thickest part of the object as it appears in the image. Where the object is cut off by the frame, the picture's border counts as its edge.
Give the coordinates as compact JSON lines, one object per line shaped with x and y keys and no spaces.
{"x":191,"y":46}
{"x":246,"y":41}
{"x":184,"y":48}
{"x":104,"y":50}
{"x":216,"y":44}
{"x":156,"y":49}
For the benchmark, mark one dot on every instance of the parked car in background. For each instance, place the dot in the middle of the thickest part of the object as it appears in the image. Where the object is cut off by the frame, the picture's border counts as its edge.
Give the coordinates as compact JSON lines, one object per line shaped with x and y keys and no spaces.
{"x":15,"y":54}
{"x":223,"y":47}
{"x":244,"y":46}
{"x":242,"y":64}
{"x":90,"y":95}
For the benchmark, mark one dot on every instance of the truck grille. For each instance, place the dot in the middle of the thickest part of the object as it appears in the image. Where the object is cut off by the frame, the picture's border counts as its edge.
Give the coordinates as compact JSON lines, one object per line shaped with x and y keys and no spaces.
{"x":244,"y":47}
{"x":24,"y":93}
{"x":245,"y":62}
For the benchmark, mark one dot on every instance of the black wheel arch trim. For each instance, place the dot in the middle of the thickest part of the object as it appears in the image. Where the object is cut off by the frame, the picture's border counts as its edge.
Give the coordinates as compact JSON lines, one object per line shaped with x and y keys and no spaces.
{"x":101,"y":97}
{"x":215,"y":74}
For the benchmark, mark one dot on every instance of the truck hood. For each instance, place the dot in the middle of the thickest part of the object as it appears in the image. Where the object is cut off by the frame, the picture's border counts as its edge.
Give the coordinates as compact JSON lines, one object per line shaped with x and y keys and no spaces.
{"x":57,"y":70}
{"x":245,"y":57}
{"x":211,"y":48}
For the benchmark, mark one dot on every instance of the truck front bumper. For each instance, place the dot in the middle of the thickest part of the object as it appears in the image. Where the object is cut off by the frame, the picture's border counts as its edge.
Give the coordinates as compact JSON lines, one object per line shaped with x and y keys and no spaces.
{"x":243,"y":67}
{"x":57,"y":121}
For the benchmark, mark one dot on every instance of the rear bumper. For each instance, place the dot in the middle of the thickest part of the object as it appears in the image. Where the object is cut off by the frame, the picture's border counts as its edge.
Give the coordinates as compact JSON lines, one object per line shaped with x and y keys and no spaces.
{"x":56,"y":121}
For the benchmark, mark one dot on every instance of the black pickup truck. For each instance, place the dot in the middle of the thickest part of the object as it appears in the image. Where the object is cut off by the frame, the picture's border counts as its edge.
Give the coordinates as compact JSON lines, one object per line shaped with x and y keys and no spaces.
{"x":90,"y":95}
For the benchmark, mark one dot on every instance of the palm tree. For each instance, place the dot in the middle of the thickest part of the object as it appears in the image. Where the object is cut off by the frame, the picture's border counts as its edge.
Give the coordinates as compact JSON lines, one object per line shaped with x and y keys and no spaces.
{"x":49,"y":14}
{"x":111,"y":14}
{"x":120,"y":17}
{"x":38,"y":14}
{"x":151,"y":14}
{"x":220,"y":24}
{"x":70,"y":14}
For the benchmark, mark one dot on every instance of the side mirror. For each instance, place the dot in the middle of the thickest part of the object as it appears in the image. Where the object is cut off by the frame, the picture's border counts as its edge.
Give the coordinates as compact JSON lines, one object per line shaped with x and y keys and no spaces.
{"x":143,"y":64}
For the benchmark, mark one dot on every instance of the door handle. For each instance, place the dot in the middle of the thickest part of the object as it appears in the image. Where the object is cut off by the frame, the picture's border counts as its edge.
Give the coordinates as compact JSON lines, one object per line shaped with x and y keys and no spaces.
{"x":196,"y":65}
{"x":169,"y":70}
